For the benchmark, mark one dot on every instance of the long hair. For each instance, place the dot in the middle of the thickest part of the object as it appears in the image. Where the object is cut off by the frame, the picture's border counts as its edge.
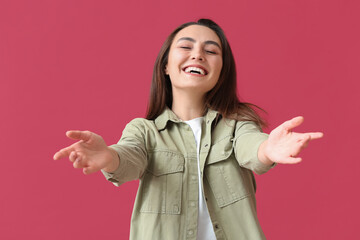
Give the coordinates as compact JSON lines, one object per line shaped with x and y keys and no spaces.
{"x":222,"y":98}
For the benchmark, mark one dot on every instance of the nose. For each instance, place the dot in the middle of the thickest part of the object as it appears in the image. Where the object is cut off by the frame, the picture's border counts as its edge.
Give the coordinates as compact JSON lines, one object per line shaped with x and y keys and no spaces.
{"x":197,"y":54}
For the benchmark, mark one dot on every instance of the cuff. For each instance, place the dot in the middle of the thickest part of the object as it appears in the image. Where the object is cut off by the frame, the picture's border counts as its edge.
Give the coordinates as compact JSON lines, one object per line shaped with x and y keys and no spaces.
{"x":248,"y":156}
{"x":115,"y":176}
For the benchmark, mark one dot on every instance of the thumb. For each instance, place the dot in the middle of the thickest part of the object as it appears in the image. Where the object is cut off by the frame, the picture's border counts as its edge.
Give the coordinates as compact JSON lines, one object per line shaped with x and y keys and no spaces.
{"x":292,"y":123}
{"x":79,"y":135}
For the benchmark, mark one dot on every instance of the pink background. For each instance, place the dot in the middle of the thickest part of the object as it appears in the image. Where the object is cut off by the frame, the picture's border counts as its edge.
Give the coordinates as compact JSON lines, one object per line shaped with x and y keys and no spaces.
{"x":87,"y":65}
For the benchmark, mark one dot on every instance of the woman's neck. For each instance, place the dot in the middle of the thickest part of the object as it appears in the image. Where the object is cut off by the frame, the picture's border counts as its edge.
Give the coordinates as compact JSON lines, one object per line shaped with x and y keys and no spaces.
{"x":188,"y":106}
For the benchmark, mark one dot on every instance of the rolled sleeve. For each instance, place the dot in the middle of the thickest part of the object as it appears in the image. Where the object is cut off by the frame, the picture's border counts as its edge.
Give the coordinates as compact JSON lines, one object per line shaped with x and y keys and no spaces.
{"x":132,"y":155}
{"x":247,"y":140}
{"x":117,"y":177}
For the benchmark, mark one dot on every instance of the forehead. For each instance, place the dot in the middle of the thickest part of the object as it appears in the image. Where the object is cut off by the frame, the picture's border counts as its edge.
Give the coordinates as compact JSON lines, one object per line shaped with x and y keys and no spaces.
{"x":198,"y":33}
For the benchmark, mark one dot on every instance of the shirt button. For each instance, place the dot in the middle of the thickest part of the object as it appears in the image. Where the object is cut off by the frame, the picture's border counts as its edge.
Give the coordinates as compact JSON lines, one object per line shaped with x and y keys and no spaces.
{"x":190,"y":232}
{"x":192,"y":204}
{"x":193,"y":177}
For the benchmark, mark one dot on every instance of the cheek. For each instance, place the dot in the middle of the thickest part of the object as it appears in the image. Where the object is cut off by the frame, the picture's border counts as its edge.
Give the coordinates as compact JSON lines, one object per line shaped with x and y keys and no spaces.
{"x":219,"y":67}
{"x":175,"y":57}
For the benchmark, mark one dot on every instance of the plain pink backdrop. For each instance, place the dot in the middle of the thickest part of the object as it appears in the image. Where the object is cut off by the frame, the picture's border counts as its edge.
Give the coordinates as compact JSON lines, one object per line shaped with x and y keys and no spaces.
{"x":72,"y":64}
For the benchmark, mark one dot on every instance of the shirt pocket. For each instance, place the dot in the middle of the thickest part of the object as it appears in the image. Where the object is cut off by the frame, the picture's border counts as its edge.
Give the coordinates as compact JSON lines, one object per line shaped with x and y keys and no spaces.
{"x":228,"y":181}
{"x":161,"y":186}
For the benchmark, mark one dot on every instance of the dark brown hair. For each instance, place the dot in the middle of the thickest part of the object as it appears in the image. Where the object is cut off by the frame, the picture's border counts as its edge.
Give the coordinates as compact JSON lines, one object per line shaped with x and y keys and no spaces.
{"x":222,"y":98}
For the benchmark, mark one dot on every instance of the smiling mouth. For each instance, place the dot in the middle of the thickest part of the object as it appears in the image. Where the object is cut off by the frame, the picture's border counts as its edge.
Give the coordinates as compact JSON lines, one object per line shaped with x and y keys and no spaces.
{"x":195,"y":70}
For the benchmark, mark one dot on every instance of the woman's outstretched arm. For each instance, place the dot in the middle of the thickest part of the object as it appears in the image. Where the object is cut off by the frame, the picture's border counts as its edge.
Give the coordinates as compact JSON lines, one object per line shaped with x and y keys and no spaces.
{"x":284,"y":145}
{"x":90,"y":153}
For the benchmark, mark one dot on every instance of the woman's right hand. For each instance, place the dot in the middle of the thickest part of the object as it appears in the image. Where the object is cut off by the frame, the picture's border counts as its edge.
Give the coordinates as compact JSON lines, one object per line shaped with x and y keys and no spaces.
{"x":90,"y":153}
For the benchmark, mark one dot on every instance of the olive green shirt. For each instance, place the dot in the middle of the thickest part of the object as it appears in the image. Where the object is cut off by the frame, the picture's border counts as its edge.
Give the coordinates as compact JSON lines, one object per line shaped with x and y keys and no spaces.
{"x":163,"y":155}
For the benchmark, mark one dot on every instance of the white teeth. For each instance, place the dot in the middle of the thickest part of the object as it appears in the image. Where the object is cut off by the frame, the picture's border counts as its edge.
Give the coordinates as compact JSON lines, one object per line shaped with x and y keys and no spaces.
{"x":189,"y":69}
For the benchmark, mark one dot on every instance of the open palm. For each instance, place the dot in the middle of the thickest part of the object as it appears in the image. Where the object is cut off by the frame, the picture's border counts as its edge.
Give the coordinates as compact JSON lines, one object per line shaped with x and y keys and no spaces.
{"x":284,"y":145}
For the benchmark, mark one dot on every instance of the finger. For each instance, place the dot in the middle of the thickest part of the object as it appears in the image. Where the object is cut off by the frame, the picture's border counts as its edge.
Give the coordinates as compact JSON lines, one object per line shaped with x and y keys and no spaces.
{"x":315,"y":135}
{"x":292,"y":123}
{"x":57,"y":156}
{"x":80,"y":162}
{"x":77,"y":163}
{"x":292,"y":160}
{"x":88,"y":170}
{"x":64,"y":153}
{"x":302,"y":145}
{"x":72,"y":156}
{"x":79,"y":135}
{"x":304,"y":139}
{"x":91,"y":168}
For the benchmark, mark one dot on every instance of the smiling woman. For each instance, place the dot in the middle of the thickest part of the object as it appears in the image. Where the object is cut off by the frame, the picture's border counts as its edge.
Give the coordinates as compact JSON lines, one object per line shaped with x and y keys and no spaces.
{"x":214,"y":42}
{"x":193,"y":67}
{"x":197,"y":149}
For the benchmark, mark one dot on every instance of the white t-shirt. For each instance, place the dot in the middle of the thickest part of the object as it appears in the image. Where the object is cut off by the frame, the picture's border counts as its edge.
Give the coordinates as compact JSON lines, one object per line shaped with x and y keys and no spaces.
{"x":205,"y":228}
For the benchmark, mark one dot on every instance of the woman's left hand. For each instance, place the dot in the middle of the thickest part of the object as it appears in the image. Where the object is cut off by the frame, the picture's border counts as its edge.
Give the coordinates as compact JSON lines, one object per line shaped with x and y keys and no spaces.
{"x":284,"y":145}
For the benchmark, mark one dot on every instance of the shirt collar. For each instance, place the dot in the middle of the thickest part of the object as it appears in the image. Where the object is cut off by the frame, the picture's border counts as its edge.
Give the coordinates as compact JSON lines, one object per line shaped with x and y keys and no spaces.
{"x":168,"y":115}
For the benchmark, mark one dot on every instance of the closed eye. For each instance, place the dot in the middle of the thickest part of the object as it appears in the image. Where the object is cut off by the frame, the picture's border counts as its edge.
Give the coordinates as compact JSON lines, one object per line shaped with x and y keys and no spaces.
{"x":211,"y":52}
{"x":185,"y":47}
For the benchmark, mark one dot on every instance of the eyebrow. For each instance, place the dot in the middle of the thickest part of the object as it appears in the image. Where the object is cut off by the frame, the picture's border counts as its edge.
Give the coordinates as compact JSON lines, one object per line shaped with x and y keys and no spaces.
{"x":193,"y":40}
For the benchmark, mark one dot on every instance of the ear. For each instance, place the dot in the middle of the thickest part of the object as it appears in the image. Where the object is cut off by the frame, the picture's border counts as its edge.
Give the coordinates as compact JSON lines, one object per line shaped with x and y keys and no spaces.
{"x":166,"y":70}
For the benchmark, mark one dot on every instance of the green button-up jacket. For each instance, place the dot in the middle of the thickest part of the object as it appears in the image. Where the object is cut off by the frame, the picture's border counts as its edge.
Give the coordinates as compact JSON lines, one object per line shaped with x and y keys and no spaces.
{"x":163,"y":155}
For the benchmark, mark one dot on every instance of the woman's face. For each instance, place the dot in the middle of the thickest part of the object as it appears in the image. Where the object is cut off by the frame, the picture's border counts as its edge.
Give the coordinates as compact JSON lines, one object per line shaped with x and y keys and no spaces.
{"x":195,"y":60}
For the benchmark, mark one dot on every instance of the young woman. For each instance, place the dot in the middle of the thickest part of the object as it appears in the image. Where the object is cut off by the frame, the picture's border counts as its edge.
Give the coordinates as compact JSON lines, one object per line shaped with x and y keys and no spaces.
{"x":197,"y":149}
